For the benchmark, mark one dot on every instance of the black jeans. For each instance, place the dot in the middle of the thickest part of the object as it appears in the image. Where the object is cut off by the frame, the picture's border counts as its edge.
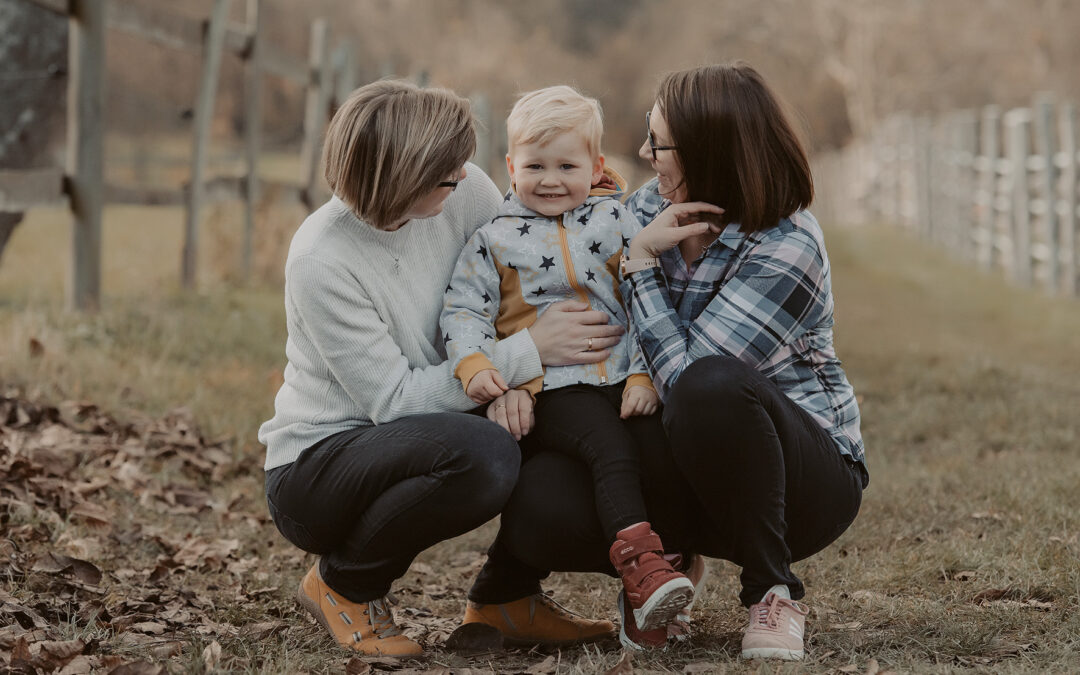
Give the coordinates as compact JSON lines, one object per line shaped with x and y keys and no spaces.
{"x":747,"y":476}
{"x":369,"y":499}
{"x":583,"y":421}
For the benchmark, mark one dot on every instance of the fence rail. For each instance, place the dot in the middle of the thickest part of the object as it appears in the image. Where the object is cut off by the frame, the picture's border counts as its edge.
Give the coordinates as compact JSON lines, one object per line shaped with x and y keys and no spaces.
{"x":81,"y":184}
{"x":996,"y":187}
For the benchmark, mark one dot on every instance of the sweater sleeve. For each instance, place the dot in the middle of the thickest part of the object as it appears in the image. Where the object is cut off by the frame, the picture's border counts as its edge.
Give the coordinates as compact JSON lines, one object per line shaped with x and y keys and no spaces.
{"x":638,"y":369}
{"x":356,"y":346}
{"x":471,"y":304}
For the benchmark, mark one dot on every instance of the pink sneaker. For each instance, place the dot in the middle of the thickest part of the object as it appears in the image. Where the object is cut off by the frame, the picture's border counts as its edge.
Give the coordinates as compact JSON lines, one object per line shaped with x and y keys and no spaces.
{"x":654,"y":590}
{"x":694,"y":568}
{"x":776,"y":629}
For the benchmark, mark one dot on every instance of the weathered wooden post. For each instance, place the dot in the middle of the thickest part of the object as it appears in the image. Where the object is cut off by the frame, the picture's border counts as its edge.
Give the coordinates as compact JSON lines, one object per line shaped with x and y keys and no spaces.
{"x":252,"y":127}
{"x":315,"y":111}
{"x":1048,"y":223}
{"x":923,"y":187}
{"x":482,"y":113}
{"x":967,"y":140}
{"x":986,"y":167}
{"x":1069,"y":220}
{"x":213,"y":42}
{"x":85,"y":148}
{"x":1017,"y":129}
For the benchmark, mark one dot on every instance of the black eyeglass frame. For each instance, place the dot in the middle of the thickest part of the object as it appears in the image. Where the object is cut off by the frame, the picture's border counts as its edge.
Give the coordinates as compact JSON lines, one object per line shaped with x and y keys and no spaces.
{"x":652,"y":141}
{"x":452,"y":184}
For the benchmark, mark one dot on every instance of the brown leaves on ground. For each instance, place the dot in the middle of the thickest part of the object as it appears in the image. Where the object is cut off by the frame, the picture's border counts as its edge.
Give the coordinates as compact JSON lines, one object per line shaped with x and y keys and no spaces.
{"x":71,"y":482}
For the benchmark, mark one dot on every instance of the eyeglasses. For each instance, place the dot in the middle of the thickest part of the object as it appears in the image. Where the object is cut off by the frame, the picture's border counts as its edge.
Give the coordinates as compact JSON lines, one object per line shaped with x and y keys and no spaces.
{"x":452,"y":184}
{"x":652,"y":141}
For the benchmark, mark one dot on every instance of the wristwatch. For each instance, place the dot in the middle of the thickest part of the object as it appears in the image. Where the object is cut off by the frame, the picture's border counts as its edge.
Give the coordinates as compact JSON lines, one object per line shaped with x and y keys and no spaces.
{"x":628,"y":266}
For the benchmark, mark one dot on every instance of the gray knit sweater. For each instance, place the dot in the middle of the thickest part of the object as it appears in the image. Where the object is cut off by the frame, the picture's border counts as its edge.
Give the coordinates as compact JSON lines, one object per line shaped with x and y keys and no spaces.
{"x":362,"y":307}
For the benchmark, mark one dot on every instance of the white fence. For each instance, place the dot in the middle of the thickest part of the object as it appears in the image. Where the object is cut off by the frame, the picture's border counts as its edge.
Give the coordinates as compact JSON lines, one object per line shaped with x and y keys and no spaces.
{"x":997,"y":188}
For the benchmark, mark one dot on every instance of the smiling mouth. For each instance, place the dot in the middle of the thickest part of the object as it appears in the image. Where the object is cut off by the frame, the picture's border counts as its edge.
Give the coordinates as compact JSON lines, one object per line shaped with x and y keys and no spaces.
{"x":551,"y":196}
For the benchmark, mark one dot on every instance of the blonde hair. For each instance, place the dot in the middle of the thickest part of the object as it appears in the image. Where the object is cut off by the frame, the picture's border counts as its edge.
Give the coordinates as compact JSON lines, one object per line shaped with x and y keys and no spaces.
{"x":539,"y":116}
{"x":391,"y":143}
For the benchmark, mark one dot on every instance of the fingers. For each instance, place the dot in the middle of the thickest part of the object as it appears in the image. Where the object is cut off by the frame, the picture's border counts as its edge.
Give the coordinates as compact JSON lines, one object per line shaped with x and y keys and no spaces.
{"x":627,"y":408}
{"x":513,"y":418}
{"x":499,"y":382}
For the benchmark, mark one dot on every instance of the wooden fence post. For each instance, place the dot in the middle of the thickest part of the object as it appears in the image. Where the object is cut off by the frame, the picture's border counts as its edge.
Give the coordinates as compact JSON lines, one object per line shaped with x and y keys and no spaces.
{"x":252,"y":128}
{"x":85,"y":148}
{"x":1017,"y":127}
{"x":1048,"y":250}
{"x":344,"y":73}
{"x":1069,"y":217}
{"x":315,"y":108}
{"x":923,"y":186}
{"x":986,"y":166}
{"x":204,"y":111}
{"x":967,"y":141}
{"x":482,"y":113}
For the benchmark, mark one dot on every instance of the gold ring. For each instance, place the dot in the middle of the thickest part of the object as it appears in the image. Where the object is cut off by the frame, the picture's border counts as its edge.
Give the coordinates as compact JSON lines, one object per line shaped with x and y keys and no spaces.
{"x":589,"y":348}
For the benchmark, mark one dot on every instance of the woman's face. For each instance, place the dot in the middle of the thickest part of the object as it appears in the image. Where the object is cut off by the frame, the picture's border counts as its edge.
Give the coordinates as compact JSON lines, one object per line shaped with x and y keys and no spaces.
{"x":431,"y":204}
{"x":666,"y":163}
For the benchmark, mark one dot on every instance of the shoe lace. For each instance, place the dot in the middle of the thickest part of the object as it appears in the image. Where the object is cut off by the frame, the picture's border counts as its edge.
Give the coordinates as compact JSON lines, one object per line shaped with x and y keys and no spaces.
{"x":552,"y":604}
{"x":382,"y":619}
{"x":767,"y":612}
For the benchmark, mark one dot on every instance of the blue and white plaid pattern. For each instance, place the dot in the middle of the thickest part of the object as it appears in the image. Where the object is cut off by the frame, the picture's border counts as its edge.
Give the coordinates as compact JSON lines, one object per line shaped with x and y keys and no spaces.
{"x":764,"y":298}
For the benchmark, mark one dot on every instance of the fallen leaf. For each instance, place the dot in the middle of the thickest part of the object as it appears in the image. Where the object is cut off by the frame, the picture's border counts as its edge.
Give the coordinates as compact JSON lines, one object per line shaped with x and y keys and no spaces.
{"x":625,"y":666}
{"x":56,"y":563}
{"x":149,"y":627}
{"x":139,"y":668}
{"x":989,"y":595}
{"x":212,"y":655}
{"x":850,"y":668}
{"x":545,"y":667}
{"x":872,"y":668}
{"x":263,"y":630}
{"x":92,"y":514}
{"x":37,"y":350}
{"x":357,"y":666}
{"x":701,"y":667}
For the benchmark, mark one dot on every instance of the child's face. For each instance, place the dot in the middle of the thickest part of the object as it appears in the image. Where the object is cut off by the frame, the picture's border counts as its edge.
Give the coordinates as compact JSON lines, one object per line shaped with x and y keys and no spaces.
{"x":555,"y":177}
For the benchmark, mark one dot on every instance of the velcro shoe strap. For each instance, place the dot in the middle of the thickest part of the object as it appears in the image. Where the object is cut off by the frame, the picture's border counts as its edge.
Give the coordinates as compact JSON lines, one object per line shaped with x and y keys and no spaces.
{"x":628,"y":550}
{"x":638,"y":575}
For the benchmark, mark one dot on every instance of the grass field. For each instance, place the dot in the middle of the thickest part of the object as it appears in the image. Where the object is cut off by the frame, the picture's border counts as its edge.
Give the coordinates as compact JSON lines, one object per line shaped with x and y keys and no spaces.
{"x":965,"y":557}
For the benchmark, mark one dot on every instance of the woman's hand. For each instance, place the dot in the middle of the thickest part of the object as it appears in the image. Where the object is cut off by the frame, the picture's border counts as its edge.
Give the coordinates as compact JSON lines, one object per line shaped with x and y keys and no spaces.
{"x":671,"y":226}
{"x":568,"y":333}
{"x":513,"y":411}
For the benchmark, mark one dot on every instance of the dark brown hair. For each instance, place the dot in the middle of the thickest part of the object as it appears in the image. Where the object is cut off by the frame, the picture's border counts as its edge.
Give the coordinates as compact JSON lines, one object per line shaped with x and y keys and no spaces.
{"x":736,"y":146}
{"x":391,"y":143}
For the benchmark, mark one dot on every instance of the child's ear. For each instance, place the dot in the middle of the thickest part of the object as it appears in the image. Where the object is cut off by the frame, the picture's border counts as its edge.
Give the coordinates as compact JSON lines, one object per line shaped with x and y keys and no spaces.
{"x":598,"y":169}
{"x":510,"y":168}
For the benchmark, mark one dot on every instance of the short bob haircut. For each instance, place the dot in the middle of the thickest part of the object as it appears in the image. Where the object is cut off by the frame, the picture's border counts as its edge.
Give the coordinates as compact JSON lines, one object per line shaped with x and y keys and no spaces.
{"x":391,"y":143}
{"x":735,"y":144}
{"x":541,"y":115}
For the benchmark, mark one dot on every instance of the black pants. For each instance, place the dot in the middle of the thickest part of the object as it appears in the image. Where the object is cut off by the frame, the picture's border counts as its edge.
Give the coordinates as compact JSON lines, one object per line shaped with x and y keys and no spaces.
{"x":746,"y":476}
{"x":583,"y":421}
{"x":369,"y":499}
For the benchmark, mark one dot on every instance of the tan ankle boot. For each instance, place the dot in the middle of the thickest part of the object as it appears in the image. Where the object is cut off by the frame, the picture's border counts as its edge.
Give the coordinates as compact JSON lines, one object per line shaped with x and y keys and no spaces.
{"x":538,"y":620}
{"x":365,"y":627}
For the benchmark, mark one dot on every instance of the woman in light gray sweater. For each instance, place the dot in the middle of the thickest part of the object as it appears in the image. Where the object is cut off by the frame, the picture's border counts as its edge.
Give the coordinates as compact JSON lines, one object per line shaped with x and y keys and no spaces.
{"x":371,"y":456}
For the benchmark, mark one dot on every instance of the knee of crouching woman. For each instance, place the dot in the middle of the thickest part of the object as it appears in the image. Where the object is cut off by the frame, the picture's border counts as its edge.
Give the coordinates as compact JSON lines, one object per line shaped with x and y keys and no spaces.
{"x":710,"y":386}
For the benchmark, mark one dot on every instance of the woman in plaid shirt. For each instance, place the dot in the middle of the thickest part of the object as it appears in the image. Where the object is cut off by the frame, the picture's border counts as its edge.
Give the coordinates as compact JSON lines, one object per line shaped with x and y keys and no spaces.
{"x":730,"y":290}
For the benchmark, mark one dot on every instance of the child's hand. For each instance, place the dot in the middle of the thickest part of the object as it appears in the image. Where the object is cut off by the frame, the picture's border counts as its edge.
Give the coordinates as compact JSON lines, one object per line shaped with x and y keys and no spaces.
{"x":638,"y":400}
{"x":513,"y":411}
{"x":485,"y":386}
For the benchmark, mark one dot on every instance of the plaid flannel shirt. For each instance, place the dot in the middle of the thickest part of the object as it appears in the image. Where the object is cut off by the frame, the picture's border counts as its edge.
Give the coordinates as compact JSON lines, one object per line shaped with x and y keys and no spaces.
{"x":764,"y":298}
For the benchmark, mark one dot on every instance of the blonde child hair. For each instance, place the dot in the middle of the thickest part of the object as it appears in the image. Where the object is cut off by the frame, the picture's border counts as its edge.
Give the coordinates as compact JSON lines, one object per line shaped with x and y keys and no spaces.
{"x":538,"y":116}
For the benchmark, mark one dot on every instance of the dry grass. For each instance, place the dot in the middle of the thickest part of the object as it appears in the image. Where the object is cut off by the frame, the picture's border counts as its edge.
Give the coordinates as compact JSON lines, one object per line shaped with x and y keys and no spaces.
{"x":965,"y":557}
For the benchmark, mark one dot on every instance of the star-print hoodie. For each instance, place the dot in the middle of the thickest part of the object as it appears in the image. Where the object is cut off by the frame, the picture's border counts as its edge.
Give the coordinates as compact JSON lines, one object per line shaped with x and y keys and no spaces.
{"x":519,"y":264}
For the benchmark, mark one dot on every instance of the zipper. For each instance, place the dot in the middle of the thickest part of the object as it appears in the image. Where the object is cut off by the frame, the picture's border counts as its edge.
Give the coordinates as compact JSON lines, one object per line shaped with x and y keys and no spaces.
{"x":571,"y":277}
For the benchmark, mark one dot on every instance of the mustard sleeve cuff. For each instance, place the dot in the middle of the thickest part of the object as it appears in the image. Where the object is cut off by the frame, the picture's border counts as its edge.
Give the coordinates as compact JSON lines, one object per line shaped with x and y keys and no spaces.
{"x":639,"y":380}
{"x":471,"y":365}
{"x":533,"y":386}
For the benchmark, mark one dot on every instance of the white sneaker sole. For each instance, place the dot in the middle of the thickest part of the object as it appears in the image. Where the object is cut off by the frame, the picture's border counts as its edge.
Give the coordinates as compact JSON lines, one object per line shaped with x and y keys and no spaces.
{"x":664,"y":604}
{"x":773,"y":653}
